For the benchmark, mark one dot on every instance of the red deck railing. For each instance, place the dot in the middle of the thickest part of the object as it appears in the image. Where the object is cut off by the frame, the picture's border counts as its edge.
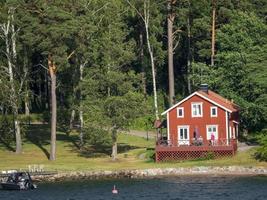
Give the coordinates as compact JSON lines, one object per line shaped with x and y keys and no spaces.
{"x":194,"y":149}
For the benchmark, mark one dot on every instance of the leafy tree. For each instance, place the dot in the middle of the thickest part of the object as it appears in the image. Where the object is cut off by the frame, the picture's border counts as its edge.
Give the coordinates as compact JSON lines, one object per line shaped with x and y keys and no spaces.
{"x":241,"y":60}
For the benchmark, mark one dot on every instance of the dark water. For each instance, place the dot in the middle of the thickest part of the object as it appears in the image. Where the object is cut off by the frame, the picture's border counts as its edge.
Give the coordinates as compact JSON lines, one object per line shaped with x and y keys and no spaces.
{"x":175,"y":188}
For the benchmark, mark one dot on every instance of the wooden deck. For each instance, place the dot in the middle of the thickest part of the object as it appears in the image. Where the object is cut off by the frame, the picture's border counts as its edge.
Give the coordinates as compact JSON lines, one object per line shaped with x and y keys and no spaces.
{"x":190,"y":150}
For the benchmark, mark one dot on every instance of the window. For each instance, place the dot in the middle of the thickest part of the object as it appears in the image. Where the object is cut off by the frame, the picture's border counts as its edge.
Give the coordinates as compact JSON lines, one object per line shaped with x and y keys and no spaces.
{"x":196,"y":109}
{"x":180,"y":112}
{"x":212,"y":129}
{"x":213,"y":111}
{"x":183,"y":135}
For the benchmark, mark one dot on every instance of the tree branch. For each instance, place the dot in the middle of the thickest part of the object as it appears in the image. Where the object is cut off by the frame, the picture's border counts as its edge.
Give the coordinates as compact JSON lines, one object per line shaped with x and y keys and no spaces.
{"x":71,"y":54}
{"x":136,"y":10}
{"x":177,"y":43}
{"x":177,"y":31}
{"x":41,"y":66}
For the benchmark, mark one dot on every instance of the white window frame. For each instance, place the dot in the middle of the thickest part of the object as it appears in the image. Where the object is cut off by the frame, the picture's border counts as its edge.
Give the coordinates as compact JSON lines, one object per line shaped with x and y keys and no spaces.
{"x":216,"y":134}
{"x":201,"y":109}
{"x":216,"y":110}
{"x":180,"y":108}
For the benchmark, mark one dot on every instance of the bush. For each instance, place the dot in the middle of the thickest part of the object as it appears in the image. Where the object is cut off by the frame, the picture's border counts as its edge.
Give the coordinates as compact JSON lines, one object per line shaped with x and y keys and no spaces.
{"x":261,"y":153}
{"x":6,"y":130}
{"x":150,"y":155}
{"x":97,"y":137}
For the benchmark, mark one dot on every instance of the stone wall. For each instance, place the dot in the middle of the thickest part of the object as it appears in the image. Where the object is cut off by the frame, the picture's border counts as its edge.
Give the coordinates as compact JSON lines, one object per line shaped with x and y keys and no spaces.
{"x":147,"y":173}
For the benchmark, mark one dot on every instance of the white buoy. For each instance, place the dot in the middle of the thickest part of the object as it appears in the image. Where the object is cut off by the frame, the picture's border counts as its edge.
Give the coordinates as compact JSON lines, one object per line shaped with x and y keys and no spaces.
{"x":114,"y":191}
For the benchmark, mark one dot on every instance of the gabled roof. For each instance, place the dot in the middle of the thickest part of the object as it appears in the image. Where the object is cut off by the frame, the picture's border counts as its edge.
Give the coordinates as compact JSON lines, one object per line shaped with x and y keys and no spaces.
{"x":213,"y":98}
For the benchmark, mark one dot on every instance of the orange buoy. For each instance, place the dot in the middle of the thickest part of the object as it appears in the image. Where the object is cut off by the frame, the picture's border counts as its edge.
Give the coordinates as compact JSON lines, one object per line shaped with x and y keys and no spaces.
{"x":115,"y":191}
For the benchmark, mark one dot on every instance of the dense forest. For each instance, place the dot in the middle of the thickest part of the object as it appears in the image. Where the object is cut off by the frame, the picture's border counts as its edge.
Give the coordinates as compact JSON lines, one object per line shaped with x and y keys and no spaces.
{"x":104,"y":65}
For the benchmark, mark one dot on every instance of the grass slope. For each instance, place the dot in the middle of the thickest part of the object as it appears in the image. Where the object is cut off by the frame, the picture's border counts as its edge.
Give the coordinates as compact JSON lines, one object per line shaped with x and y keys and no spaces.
{"x":69,"y":158}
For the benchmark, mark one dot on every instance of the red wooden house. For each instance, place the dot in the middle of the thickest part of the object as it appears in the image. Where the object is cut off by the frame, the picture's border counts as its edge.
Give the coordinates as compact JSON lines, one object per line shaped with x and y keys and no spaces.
{"x":202,"y":124}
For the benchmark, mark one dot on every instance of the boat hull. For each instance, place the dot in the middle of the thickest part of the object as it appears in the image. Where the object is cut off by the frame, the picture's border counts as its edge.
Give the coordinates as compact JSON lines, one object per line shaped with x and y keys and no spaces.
{"x":10,"y":186}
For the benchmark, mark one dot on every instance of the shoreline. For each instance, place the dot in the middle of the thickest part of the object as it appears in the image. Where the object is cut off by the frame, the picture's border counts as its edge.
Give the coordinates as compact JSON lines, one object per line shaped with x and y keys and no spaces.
{"x":152,"y":173}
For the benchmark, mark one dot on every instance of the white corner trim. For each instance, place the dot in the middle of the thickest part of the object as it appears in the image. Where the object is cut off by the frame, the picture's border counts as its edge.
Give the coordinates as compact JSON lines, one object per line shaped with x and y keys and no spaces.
{"x":226,"y":126}
{"x":200,"y":95}
{"x":180,"y":102}
{"x":168,"y":127}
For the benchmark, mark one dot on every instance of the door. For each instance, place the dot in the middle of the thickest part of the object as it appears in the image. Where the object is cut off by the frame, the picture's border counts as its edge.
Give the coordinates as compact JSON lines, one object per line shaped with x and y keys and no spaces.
{"x":183,"y":135}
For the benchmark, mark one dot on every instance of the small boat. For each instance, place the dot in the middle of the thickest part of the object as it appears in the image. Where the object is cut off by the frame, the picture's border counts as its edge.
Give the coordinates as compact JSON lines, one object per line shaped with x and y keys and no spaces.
{"x":18,"y":181}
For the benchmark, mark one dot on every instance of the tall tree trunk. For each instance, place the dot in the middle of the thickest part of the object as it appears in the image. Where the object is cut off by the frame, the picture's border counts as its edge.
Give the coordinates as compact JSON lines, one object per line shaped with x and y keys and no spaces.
{"x":18,"y":132}
{"x":72,"y":116}
{"x":14,"y":94}
{"x":143,"y":73}
{"x":170,"y":20}
{"x":11,"y":54}
{"x":81,"y":107}
{"x":189,"y":55}
{"x":26,"y":104}
{"x":213,"y":33}
{"x":26,"y":87}
{"x":114,"y":144}
{"x":153,"y":76}
{"x":52,"y":69}
{"x":81,"y":127}
{"x":46,"y":91}
{"x":145,"y":19}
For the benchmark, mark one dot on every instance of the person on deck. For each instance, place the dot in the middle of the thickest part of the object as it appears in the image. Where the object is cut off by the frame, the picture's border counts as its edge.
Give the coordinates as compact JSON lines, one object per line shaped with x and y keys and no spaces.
{"x":212,"y":139}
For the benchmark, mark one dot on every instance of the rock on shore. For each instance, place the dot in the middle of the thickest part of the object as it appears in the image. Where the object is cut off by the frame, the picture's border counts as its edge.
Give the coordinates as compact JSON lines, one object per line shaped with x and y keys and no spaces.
{"x":151,"y":173}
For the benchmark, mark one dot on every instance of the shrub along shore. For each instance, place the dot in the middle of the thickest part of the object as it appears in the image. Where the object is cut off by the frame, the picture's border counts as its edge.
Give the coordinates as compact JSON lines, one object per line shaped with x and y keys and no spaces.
{"x":153,"y":173}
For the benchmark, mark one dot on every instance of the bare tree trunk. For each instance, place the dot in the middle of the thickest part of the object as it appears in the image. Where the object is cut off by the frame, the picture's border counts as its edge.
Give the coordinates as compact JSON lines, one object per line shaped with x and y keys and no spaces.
{"x":170,"y":20}
{"x":213,"y":33}
{"x":189,"y":55}
{"x":81,"y":107}
{"x":145,"y":19}
{"x":18,"y":132}
{"x":26,"y":87}
{"x":72,"y":116}
{"x":114,"y":144}
{"x":26,"y":104}
{"x":81,"y":127}
{"x":153,"y":76}
{"x":8,"y":30}
{"x":52,"y":69}
{"x":143,"y":73}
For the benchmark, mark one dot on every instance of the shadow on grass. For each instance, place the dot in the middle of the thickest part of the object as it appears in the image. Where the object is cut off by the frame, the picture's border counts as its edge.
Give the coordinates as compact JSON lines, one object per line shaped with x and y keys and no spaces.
{"x":39,"y":134}
{"x":6,"y":145}
{"x":94,"y":151}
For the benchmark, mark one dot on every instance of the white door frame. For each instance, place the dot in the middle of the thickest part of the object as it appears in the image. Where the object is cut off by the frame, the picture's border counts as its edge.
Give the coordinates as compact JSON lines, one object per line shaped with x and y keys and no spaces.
{"x":185,"y":139}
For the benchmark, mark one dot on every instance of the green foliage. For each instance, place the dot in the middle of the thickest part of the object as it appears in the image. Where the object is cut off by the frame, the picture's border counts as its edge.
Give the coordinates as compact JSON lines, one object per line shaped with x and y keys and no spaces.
{"x":150,"y":155}
{"x":241,"y":67}
{"x":261,"y":153}
{"x":6,"y":130}
{"x":96,"y":136}
{"x":105,"y":38}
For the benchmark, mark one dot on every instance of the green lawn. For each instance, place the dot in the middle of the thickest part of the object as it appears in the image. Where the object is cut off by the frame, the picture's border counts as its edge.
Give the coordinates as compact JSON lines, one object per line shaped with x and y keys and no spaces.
{"x":69,"y":158}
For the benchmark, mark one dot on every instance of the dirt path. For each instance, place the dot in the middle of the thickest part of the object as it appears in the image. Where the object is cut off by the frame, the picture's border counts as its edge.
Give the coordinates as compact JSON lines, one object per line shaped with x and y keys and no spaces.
{"x":244,"y":147}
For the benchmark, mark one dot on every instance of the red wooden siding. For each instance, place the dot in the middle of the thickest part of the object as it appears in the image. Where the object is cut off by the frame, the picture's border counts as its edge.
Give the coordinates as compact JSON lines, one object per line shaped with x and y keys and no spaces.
{"x":196,"y":122}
